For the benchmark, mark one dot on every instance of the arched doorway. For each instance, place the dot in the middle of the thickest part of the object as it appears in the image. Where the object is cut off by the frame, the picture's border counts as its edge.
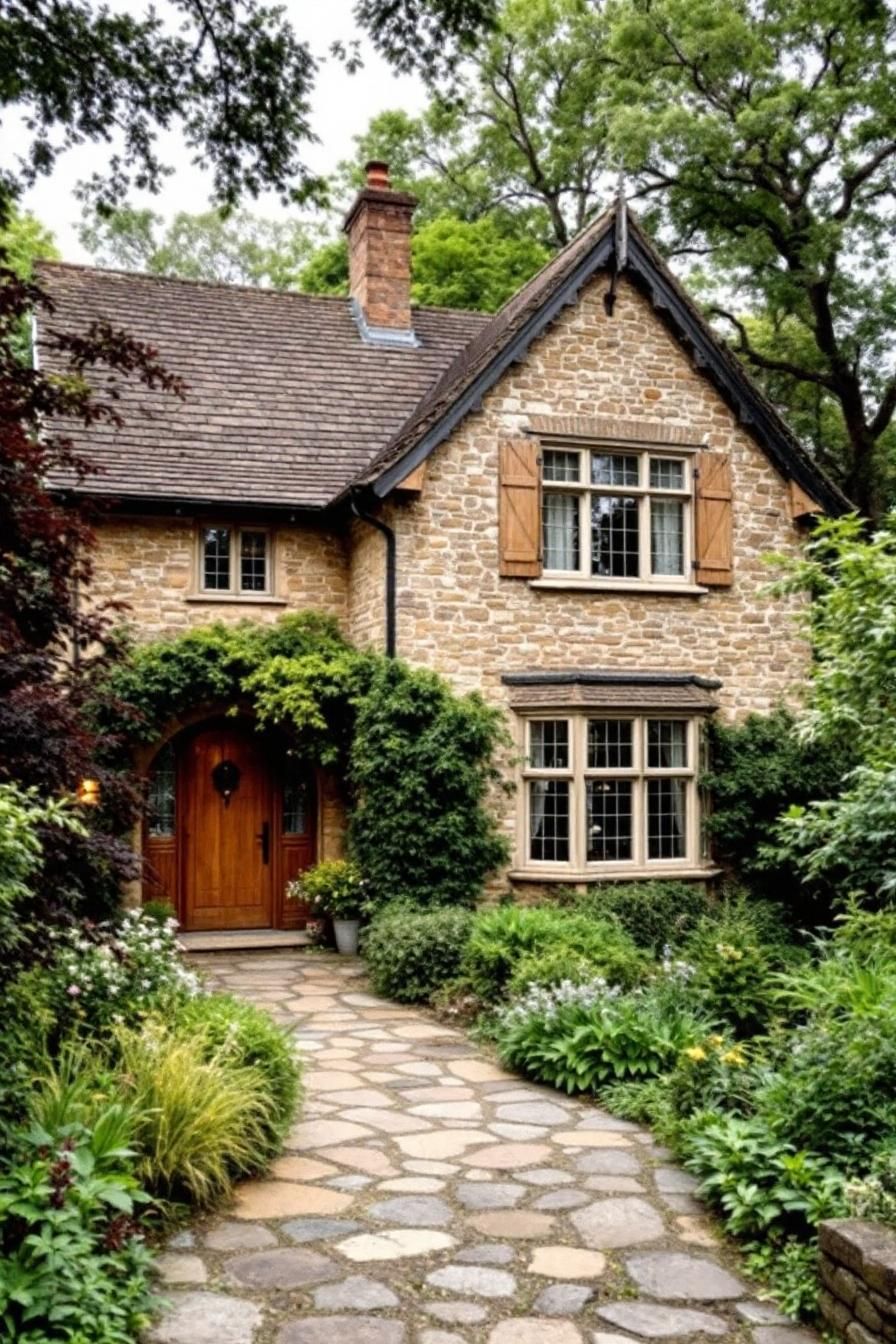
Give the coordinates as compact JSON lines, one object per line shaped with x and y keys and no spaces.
{"x":230,"y":820}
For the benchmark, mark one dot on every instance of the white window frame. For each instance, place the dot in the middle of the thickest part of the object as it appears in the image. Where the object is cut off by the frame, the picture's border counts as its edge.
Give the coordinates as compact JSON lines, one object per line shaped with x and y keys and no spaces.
{"x":578,"y":868}
{"x":643,"y":492}
{"x":235,"y":589}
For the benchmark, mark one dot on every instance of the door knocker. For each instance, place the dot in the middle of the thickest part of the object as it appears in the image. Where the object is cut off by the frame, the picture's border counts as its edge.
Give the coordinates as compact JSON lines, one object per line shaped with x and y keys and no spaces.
{"x":226,"y":779}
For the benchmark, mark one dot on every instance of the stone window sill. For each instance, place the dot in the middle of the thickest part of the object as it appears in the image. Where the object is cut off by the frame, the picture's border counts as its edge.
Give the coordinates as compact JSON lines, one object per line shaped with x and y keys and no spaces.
{"x":614,"y":872}
{"x":238,"y":599}
{"x":559,"y":583}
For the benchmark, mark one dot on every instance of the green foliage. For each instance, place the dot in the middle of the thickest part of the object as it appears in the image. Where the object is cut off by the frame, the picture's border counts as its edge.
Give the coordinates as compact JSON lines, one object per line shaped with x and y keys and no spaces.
{"x":475,"y":264}
{"x":655,"y":914}
{"x":27,"y":1023}
{"x":558,"y":963}
{"x":237,"y":248}
{"x":762,"y":1184}
{"x":239,"y":1034}
{"x":412,"y":952}
{"x":422,"y":767}
{"x":26,"y":822}
{"x":735,"y":950}
{"x":644,"y":1103}
{"x":73,"y":1266}
{"x":790,"y":1268}
{"x":850,"y":577}
{"x":333,"y":887}
{"x":874,"y":1194}
{"x":505,"y":937}
{"x":759,"y":768}
{"x":718,"y":109}
{"x":580,"y":1038}
{"x":201,"y":1115}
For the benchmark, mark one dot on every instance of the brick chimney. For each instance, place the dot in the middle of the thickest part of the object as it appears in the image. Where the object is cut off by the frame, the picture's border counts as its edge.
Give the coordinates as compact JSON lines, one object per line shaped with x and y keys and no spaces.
{"x":379,"y":240}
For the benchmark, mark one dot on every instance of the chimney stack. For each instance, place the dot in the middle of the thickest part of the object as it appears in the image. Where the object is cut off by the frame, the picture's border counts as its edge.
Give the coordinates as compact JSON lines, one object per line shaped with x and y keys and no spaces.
{"x":379,"y":240}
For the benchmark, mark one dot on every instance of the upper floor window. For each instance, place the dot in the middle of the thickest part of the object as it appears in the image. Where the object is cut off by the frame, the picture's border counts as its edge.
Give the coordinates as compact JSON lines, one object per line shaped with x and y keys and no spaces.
{"x":235,"y":560}
{"x":612,"y":514}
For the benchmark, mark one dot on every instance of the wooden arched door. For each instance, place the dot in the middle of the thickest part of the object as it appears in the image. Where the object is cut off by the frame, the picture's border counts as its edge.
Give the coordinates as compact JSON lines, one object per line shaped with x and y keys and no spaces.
{"x":227,"y":841}
{"x":230,"y":822}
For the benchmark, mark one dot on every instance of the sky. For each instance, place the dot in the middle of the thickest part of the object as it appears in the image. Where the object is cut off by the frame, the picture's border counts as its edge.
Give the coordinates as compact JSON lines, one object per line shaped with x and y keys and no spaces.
{"x":342,"y":106}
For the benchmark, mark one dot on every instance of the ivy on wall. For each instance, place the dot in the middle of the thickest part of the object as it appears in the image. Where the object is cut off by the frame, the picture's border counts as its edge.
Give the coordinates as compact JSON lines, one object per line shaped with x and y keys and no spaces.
{"x":417,"y":760}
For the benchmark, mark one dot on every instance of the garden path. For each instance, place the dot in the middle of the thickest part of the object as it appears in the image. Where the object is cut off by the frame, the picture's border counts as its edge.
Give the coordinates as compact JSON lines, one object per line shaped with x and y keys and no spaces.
{"x":428,"y":1197}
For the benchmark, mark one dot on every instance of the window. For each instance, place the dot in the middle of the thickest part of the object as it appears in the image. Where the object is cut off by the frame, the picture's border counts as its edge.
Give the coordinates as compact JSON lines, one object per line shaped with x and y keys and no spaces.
{"x":162,"y":798}
{"x":235,"y":560}
{"x":616,"y":515}
{"x":606,"y":790}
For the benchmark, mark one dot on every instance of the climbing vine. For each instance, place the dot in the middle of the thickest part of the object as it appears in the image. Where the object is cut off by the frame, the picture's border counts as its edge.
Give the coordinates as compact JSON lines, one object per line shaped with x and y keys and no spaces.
{"x":418,"y":760}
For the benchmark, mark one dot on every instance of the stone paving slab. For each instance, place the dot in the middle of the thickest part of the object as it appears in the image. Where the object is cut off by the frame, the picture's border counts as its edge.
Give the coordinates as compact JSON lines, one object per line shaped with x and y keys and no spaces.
{"x":426,"y":1196}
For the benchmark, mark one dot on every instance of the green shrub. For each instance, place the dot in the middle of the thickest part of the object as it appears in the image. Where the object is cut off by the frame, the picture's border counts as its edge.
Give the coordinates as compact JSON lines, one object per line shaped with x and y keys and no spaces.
{"x":834,"y":1088}
{"x":760,"y":768}
{"x":763,"y":1185}
{"x":425,"y":755}
{"x":27,"y":1024}
{"x":73,"y":1265}
{"x":411,"y":952}
{"x":644,"y":1103}
{"x":199,"y":1118}
{"x":790,"y":1268}
{"x":655,"y":914}
{"x":239,"y":1034}
{"x":579,"y":1038}
{"x":505,"y":936}
{"x":552,"y":967}
{"x":735,"y":952}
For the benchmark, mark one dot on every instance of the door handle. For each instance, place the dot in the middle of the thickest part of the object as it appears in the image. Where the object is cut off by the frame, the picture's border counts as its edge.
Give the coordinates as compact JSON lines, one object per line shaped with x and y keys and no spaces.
{"x":265,"y":838}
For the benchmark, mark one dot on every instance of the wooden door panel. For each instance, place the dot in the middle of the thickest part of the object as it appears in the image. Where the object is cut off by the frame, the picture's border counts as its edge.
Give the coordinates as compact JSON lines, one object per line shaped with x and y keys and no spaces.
{"x":227,"y":874}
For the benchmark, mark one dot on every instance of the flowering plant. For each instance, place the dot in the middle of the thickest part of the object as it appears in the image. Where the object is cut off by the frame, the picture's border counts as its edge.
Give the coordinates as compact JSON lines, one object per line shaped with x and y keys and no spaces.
{"x":117,"y":972}
{"x":334,"y":887}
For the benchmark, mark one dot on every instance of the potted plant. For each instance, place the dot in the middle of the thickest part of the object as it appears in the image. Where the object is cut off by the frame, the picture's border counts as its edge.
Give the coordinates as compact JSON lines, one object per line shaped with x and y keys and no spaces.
{"x":336,"y":888}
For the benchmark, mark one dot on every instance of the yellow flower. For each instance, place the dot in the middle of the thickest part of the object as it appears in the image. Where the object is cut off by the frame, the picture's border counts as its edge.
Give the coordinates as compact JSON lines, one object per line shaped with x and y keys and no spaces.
{"x":696,"y":1053}
{"x":734,"y":1056}
{"x":715,"y":1041}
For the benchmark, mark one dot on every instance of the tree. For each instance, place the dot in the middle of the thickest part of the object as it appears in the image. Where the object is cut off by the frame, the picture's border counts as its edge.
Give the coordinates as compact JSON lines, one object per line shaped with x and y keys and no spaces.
{"x":849,"y":577}
{"x":522,"y":130}
{"x":233,"y":79}
{"x":238,"y":249}
{"x":765,"y":134}
{"x":51,"y":641}
{"x":23,"y":241}
{"x":471,"y":264}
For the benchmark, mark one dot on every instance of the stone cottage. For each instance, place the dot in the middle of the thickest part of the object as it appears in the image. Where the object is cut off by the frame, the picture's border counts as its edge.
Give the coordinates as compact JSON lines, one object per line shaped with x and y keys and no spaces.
{"x":566,"y":505}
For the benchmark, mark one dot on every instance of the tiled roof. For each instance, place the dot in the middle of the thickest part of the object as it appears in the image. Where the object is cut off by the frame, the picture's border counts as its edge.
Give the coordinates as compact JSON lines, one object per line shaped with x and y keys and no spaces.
{"x":285,"y":405}
{"x":617,"y":689}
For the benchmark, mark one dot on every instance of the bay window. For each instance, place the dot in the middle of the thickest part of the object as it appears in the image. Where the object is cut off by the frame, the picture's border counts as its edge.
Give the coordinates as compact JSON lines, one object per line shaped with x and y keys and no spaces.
{"x":609,"y":791}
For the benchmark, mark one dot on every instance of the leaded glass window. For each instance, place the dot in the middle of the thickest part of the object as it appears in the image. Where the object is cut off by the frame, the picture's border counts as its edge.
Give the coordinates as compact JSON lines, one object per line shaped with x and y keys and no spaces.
{"x":162,"y":799}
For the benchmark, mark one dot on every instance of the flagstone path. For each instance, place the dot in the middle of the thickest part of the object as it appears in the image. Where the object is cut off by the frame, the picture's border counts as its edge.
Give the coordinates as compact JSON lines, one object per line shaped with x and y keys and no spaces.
{"x":428,"y":1197}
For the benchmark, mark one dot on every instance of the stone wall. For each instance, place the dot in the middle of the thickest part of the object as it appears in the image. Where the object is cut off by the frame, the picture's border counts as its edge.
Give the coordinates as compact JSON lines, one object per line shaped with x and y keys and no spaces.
{"x":457,"y":615}
{"x":858,"y":1273}
{"x":150,"y":565}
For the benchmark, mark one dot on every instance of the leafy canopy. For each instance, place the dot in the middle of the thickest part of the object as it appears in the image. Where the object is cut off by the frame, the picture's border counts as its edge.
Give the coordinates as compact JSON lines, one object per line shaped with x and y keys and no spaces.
{"x":233,"y":81}
{"x":765,"y":135}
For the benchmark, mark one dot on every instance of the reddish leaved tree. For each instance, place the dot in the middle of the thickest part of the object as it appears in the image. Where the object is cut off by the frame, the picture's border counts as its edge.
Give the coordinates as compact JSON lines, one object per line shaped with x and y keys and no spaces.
{"x":53,"y":642}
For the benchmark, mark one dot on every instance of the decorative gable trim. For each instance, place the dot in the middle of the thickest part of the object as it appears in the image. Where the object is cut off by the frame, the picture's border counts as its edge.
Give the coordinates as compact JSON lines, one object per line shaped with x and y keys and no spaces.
{"x":456,"y":396}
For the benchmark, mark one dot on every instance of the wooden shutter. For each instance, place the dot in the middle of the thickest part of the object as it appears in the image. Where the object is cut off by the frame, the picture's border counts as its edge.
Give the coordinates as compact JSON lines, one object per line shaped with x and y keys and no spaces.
{"x":712,"y":519}
{"x":519,"y":508}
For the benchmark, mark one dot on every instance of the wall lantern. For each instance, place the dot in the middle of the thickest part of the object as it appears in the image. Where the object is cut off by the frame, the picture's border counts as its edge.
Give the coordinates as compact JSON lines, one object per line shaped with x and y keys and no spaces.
{"x":88,"y":793}
{"x":226,"y":779}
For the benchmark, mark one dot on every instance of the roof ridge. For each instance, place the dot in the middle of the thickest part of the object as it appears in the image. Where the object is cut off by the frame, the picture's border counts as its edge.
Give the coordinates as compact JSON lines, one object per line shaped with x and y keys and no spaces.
{"x":232,"y":287}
